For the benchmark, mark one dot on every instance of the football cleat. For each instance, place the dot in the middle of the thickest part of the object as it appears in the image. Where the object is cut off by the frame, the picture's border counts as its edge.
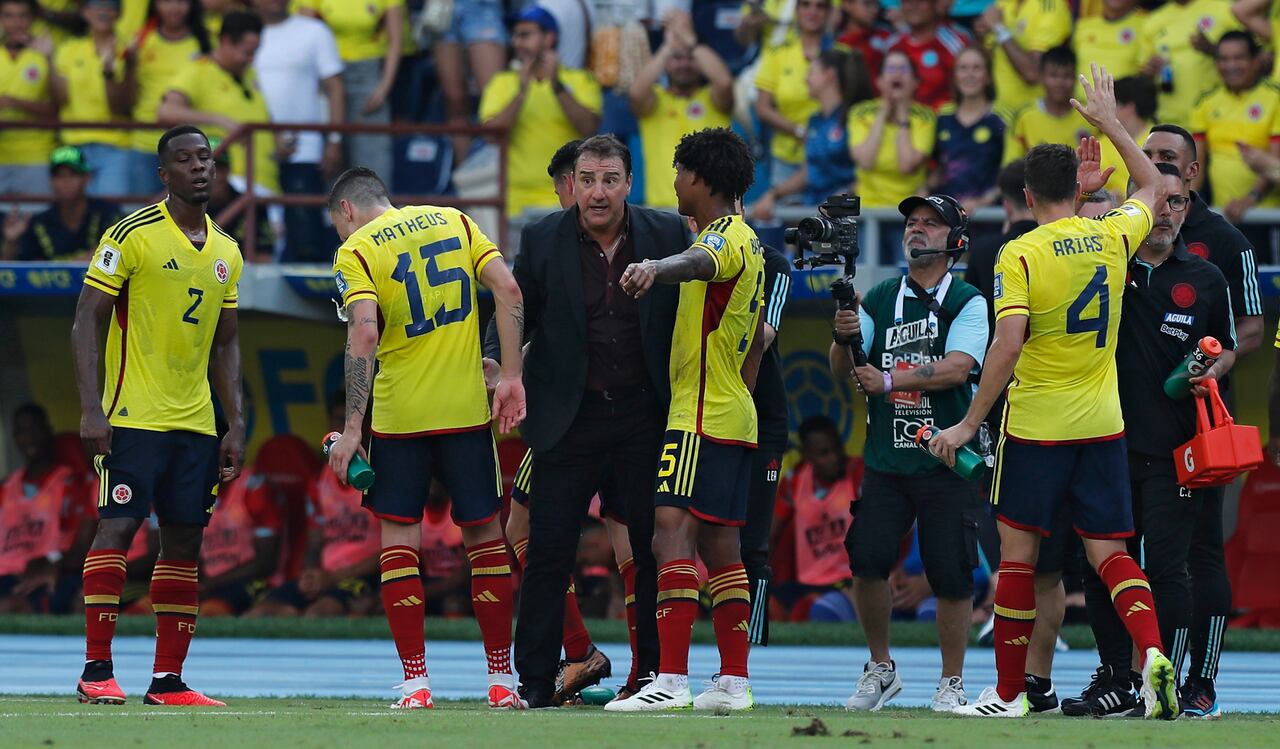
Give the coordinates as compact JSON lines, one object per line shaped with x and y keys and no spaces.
{"x":1108,"y":695}
{"x":415,"y":694}
{"x":725,"y":693}
{"x":989,"y":705}
{"x":1043,"y":702}
{"x":950,"y":695}
{"x":666,"y":692}
{"x":1159,"y":686}
{"x":576,"y":675}
{"x":1199,"y":699}
{"x":170,"y":690}
{"x":106,"y":692}
{"x":878,"y":684}
{"x":503,"y":694}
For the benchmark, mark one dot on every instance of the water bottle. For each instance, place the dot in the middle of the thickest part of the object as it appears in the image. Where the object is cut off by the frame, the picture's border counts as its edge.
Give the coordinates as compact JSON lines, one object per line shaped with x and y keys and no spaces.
{"x":1178,"y":384}
{"x":359,"y":472}
{"x":1166,"y":72}
{"x":969,"y":464}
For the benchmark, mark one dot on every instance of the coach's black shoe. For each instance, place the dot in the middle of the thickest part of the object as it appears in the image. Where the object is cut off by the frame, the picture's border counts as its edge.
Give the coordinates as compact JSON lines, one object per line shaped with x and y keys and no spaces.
{"x":537,"y":698}
{"x":1199,"y":699}
{"x":1108,"y":695}
{"x":1041,"y":697}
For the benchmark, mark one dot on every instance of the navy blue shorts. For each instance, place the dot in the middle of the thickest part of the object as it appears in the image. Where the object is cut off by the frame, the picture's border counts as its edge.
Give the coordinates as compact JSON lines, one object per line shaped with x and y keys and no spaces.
{"x":466,"y":463}
{"x":712,"y":480}
{"x":1033,"y":480}
{"x":610,"y":505}
{"x":173,"y":473}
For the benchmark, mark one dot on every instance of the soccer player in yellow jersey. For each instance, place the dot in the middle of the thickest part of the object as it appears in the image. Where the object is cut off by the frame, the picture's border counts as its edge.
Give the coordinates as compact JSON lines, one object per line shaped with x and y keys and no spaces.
{"x":167,"y":277}
{"x":1057,"y":295}
{"x":1051,"y":118}
{"x":408,"y":278}
{"x":704,"y":469}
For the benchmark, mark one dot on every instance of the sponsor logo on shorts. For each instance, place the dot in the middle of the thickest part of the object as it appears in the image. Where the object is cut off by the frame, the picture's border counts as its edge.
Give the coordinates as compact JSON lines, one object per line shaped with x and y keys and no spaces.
{"x":221,"y":271}
{"x":121,"y":494}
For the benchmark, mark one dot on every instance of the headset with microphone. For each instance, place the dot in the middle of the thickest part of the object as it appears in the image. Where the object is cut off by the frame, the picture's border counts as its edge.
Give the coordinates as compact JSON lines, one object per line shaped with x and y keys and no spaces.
{"x":957,"y":239}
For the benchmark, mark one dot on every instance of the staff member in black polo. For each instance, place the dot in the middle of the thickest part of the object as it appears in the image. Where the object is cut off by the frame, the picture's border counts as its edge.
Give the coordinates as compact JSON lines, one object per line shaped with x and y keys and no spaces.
{"x":597,"y":391}
{"x":1172,"y":300}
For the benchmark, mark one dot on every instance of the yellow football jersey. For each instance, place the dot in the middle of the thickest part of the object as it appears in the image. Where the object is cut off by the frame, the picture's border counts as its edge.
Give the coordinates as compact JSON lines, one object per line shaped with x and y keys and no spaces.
{"x":421,"y":265}
{"x":672,"y":118}
{"x":1113,"y":44}
{"x":1220,"y":120}
{"x":715,"y":324}
{"x":169,"y":294}
{"x":1167,"y":32}
{"x":24,"y":77}
{"x":160,"y":62}
{"x":782,"y":72}
{"x":1034,"y":126}
{"x":1036,"y":25}
{"x":883,"y":185}
{"x":1068,"y":277}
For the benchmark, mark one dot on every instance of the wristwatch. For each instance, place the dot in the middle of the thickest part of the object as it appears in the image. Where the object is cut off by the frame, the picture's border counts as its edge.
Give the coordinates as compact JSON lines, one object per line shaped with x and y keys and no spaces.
{"x":557,"y":87}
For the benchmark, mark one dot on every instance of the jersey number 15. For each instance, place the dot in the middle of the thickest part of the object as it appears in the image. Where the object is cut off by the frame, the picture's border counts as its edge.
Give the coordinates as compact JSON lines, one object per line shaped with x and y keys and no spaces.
{"x":436,"y":277}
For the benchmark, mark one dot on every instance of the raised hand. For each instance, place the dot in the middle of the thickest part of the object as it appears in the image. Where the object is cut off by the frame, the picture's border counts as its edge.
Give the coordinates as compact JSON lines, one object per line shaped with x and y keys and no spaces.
{"x":1089,"y":173}
{"x":1100,"y":95}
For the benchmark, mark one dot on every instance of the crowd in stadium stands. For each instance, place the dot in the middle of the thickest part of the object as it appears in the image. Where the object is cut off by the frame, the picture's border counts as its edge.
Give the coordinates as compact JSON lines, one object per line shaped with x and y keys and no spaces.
{"x":885,"y":99}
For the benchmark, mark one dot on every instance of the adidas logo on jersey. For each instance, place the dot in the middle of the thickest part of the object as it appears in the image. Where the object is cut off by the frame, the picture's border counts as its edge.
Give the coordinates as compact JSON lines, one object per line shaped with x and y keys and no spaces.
{"x":1135,"y":608}
{"x":172,"y":264}
{"x":410,"y":601}
{"x":664,"y":488}
{"x":486,"y":597}
{"x":1018,"y":641}
{"x":124,"y":411}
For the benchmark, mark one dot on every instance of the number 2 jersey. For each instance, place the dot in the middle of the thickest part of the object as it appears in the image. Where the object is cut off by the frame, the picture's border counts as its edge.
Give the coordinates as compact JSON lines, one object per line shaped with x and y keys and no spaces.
{"x":715,"y":324}
{"x":169,"y":295}
{"x":420,"y":265}
{"x":1067,"y":277}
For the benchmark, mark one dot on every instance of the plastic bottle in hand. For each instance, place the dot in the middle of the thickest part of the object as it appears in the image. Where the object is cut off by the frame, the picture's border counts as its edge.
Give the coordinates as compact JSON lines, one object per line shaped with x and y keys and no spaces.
{"x":1178,"y":384}
{"x":969,"y":464}
{"x":1166,"y":71}
{"x":359,"y":472}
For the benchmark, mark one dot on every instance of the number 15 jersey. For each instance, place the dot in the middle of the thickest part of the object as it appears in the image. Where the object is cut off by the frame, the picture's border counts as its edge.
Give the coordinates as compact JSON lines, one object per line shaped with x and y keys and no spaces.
{"x":1067,"y":277}
{"x":420,"y":264}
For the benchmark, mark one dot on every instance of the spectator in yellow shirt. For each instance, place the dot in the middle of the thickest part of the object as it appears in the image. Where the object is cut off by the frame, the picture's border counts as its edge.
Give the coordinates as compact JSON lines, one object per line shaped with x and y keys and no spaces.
{"x":783,"y":103}
{"x":221,"y":92}
{"x":1051,"y":119}
{"x":891,"y":137}
{"x":93,"y":80}
{"x":1177,"y":45}
{"x":543,"y":104}
{"x":1242,"y":110}
{"x":1135,"y":106}
{"x":370,"y":37}
{"x":698,"y":95}
{"x":1020,"y":31}
{"x":24,"y":95}
{"x":1111,"y":39}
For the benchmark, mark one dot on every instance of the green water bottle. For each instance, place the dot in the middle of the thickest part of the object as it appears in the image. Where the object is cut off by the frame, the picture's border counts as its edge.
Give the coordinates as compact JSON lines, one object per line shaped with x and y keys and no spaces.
{"x":969,"y":464}
{"x":359,"y":472}
{"x":1178,"y":384}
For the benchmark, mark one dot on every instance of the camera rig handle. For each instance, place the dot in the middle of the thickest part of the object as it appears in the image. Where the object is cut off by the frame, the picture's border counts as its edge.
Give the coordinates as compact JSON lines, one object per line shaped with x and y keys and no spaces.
{"x":842,"y":291}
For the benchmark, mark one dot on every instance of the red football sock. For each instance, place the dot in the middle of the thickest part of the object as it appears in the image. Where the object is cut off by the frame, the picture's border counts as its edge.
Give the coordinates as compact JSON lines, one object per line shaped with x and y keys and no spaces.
{"x":104,"y":572}
{"x":1131,"y":595}
{"x":677,"y":608}
{"x":730,"y":609}
{"x":521,"y":548}
{"x":1015,"y":618}
{"x":627,"y":568}
{"x":402,"y":599}
{"x":577,"y":640}
{"x":175,"y":599}
{"x":491,"y":600}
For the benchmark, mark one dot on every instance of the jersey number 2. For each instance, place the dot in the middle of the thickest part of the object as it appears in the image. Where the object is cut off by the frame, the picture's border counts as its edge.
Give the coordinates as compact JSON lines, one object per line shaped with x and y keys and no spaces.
{"x":197,"y":297}
{"x":436,"y":276}
{"x":1097,"y":287}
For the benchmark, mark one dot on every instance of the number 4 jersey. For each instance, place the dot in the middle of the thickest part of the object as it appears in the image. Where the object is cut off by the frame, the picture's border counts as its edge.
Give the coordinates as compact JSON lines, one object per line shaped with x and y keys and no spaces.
{"x":169,"y":295}
{"x":1067,"y":277}
{"x":420,"y":265}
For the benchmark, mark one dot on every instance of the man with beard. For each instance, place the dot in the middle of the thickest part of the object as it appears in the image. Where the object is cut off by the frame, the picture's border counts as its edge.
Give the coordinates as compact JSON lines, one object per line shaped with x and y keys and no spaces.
{"x":924,"y":335}
{"x":1172,"y":300}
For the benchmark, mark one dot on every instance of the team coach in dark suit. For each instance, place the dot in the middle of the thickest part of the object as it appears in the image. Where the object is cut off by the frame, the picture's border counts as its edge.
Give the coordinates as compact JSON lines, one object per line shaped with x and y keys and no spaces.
{"x":597,"y":390}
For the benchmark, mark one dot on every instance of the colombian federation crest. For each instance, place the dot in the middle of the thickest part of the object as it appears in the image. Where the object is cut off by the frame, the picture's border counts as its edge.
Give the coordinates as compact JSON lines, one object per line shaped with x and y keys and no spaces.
{"x":221,"y":271}
{"x":121,"y":494}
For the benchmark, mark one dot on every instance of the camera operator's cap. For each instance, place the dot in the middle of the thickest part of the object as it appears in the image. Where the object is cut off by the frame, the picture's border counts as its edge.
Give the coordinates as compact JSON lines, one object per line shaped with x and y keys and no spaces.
{"x":536,"y":14}
{"x":69,"y":156}
{"x":945,"y":208}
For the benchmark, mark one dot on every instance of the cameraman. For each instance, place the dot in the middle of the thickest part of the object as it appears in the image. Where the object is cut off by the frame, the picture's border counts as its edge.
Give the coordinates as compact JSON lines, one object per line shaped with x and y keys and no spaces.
{"x":924,"y":335}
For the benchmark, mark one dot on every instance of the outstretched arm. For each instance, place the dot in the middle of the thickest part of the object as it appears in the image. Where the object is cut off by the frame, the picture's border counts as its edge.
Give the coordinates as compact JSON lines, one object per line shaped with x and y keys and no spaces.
{"x":1001,"y":359}
{"x":693,"y":264}
{"x":1101,"y":113}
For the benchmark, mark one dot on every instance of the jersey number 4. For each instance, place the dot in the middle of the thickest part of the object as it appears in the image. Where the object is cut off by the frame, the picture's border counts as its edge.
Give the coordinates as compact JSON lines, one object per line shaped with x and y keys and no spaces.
{"x":436,"y":277}
{"x":1097,"y":287}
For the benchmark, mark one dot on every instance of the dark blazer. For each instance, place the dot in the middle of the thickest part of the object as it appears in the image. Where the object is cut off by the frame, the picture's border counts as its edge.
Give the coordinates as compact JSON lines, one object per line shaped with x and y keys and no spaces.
{"x":549,"y":272}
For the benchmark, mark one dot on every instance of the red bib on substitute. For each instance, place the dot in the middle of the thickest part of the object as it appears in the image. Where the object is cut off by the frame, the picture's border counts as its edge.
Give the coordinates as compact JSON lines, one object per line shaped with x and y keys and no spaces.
{"x":244,"y":509}
{"x":31,"y":528}
{"x":350,"y":532}
{"x":443,"y":552}
{"x":821,"y":524}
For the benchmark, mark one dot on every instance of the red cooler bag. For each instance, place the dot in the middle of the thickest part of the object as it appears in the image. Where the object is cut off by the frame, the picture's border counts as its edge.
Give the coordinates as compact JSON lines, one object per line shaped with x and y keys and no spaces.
{"x":1220,"y":451}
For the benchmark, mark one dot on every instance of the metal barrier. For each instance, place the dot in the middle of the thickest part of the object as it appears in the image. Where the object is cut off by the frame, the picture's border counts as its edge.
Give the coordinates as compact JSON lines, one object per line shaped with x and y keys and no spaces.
{"x":249,"y":201}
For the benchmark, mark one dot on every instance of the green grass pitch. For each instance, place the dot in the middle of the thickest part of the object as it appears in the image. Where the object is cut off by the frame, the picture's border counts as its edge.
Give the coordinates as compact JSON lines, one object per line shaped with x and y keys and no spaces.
{"x":355,"y":724}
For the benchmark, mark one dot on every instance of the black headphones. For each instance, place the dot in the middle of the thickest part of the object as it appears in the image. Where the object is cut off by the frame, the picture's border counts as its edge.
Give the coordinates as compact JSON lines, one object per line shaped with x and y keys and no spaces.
{"x":958,"y":237}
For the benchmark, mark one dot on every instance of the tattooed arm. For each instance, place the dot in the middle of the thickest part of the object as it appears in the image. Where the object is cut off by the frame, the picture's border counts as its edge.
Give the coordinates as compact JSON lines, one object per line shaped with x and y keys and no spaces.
{"x":951,"y":371}
{"x":508,"y":315}
{"x":358,"y":365}
{"x":694,"y":264}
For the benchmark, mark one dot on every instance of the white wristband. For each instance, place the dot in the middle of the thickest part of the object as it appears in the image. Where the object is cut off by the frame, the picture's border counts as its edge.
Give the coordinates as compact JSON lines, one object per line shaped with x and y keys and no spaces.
{"x":888,"y":381}
{"x":1003,"y":34}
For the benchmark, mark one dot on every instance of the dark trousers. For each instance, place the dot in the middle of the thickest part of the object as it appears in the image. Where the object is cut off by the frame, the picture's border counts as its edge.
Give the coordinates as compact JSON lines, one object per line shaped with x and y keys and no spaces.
{"x":610,"y":441}
{"x":1210,"y":587}
{"x":1164,"y":516}
{"x":307,"y":238}
{"x":766,"y":461}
